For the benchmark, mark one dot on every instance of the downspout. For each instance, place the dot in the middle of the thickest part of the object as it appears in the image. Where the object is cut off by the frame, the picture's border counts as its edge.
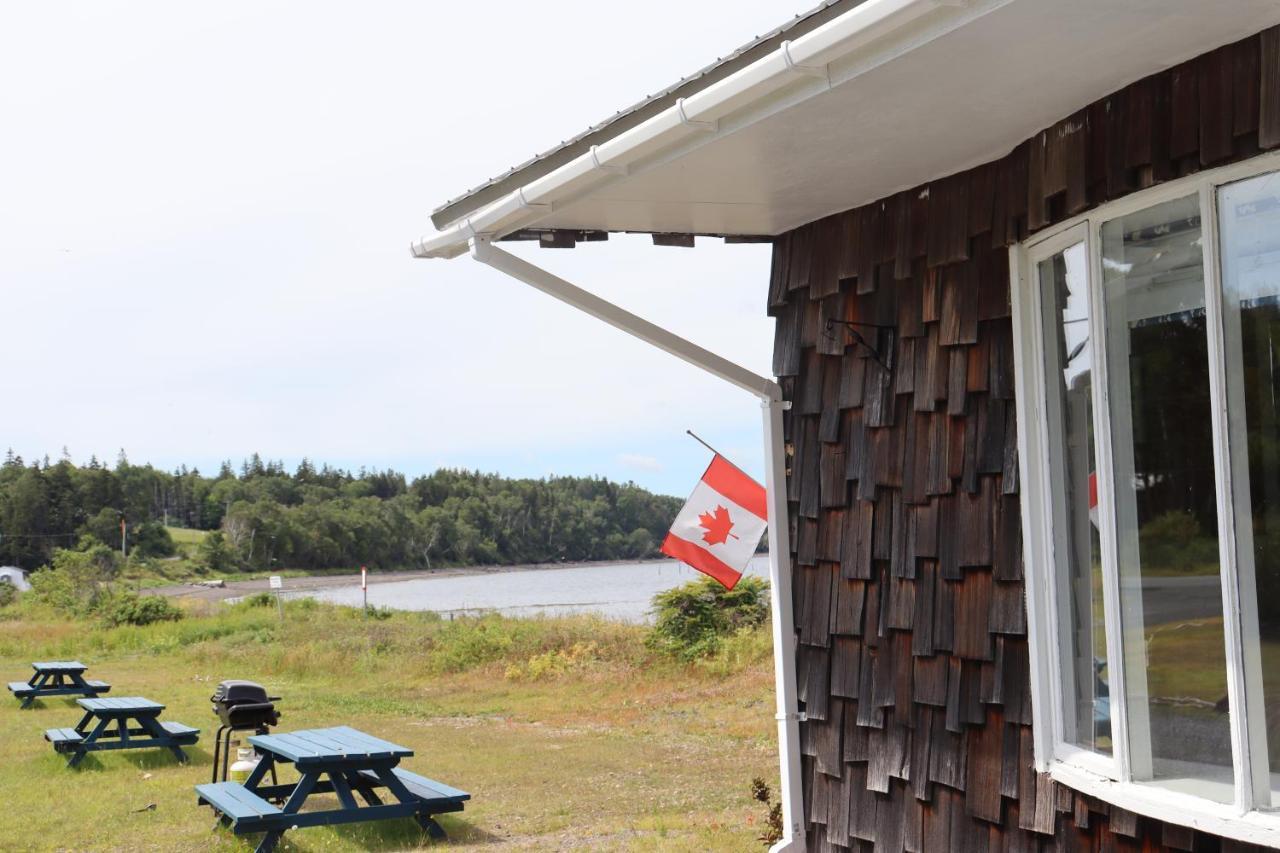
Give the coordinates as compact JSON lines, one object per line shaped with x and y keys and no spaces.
{"x":770,"y":394}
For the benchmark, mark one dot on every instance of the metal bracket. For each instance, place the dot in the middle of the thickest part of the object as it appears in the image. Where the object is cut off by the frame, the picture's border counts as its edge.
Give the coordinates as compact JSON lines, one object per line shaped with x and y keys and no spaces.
{"x":621,"y":171}
{"x":711,"y":126}
{"x":858,"y":339}
{"x":819,"y":71}
{"x":798,"y":716}
{"x":525,"y":204}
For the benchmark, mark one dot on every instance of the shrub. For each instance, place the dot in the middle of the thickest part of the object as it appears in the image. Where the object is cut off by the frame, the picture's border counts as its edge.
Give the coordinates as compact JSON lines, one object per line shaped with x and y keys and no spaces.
{"x":693,"y":619}
{"x":554,"y":663}
{"x":151,"y":539}
{"x":215,"y":554}
{"x":76,"y":581}
{"x":1175,"y":542}
{"x":132,"y":609}
{"x":259,"y":599}
{"x":8,"y":594}
{"x":772,"y":829}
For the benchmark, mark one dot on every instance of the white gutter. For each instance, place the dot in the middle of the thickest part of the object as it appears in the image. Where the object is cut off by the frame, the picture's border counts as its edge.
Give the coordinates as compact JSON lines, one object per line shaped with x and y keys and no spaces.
{"x":744,"y":95}
{"x":770,"y":394}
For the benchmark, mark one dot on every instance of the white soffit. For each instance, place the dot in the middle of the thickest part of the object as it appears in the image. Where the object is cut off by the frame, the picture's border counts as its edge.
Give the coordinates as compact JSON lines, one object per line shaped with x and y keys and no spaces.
{"x":907,"y":114}
{"x":956,"y":102}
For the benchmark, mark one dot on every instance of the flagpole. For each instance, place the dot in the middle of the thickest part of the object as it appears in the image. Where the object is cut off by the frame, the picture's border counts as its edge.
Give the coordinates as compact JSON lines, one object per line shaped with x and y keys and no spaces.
{"x":698,"y":439}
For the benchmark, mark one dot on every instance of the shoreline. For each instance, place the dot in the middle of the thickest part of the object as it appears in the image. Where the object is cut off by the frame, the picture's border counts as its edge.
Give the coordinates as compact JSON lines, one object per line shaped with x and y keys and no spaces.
{"x":239,"y":588}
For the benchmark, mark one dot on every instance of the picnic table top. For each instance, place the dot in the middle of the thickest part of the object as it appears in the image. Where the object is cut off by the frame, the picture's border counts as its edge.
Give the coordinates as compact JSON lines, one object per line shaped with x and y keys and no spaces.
{"x":120,"y":706}
{"x":338,"y":744}
{"x":58,"y":666}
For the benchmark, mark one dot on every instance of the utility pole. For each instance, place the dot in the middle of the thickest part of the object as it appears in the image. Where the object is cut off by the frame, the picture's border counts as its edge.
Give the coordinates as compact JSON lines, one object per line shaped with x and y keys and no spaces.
{"x":124,"y":537}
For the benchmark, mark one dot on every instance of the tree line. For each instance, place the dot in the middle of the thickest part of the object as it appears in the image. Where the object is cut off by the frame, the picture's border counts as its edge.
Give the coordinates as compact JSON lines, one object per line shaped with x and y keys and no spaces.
{"x":263,"y":516}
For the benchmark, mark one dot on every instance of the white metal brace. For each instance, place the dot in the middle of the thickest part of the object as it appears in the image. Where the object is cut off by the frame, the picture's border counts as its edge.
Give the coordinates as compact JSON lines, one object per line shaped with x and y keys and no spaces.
{"x":770,"y":394}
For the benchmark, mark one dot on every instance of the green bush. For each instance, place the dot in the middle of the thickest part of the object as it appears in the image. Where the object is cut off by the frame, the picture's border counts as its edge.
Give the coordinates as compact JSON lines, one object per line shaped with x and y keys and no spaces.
{"x":1174,"y":543}
{"x":76,"y":581}
{"x":259,"y":599}
{"x":215,"y":554}
{"x":132,"y":609}
{"x":151,"y":539}
{"x":693,"y":620}
{"x":8,"y":594}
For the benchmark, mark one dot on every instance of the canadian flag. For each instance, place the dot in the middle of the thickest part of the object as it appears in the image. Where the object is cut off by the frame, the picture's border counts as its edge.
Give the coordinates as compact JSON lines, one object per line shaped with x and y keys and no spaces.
{"x":1093,"y":498}
{"x":720,"y":525}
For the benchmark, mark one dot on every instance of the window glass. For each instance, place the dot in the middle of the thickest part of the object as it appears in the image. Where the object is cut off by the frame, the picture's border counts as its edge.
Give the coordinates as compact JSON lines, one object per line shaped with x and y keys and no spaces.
{"x":1165,"y":499}
{"x":1064,"y":299}
{"x":1249,"y":214}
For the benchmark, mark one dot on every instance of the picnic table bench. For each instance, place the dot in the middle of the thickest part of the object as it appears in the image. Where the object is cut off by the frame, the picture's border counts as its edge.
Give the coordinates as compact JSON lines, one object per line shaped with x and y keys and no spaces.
{"x":352,"y":761}
{"x":56,"y":678}
{"x":126,"y":722}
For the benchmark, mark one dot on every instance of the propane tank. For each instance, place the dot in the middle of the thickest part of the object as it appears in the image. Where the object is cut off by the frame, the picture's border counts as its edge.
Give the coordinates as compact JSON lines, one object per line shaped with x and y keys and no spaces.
{"x":246,"y":760}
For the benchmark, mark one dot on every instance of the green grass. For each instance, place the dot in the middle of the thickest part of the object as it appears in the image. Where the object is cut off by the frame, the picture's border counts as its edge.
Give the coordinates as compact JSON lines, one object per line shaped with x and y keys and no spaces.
{"x":187,"y":535}
{"x":567,"y":732}
{"x":1188,"y":659}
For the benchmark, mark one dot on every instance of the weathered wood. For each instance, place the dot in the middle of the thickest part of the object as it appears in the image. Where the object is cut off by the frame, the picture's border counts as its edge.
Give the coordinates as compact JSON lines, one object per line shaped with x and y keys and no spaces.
{"x":985,"y":760}
{"x":846,"y":666}
{"x":926,"y":596}
{"x":833,"y":488}
{"x":778,"y":274}
{"x":1216,"y":137}
{"x":828,"y":741}
{"x":930,"y":680}
{"x":815,"y":627}
{"x":859,"y":521}
{"x":846,"y":613}
{"x":1269,"y":88}
{"x":817,"y":693}
{"x":801,"y":259}
{"x":807,"y":542}
{"x":903,"y":478}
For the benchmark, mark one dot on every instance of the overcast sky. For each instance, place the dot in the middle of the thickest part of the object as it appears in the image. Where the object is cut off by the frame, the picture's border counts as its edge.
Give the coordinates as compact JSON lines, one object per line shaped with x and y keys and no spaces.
{"x":205,"y":214}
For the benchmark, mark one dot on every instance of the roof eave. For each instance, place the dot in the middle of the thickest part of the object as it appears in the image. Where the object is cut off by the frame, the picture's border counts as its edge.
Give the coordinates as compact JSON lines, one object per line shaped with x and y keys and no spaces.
{"x":800,"y":65}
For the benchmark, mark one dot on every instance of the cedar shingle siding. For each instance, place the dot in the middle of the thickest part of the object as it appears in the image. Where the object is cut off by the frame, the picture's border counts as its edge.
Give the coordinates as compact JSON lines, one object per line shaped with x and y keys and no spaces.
{"x":902,"y":481}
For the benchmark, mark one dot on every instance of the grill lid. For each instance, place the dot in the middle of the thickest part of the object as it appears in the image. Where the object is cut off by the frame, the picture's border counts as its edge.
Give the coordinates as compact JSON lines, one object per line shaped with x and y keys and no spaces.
{"x":238,"y":692}
{"x":244,"y":704}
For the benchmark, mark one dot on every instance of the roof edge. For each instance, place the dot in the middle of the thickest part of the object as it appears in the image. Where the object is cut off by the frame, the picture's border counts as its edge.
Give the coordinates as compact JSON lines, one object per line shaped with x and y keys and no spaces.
{"x":543,"y":164}
{"x":802,"y":67}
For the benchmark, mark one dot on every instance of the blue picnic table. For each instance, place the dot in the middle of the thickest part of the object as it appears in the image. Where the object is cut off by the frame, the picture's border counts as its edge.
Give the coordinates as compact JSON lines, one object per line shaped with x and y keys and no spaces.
{"x":353,"y":762}
{"x":56,"y":678}
{"x":126,"y":722}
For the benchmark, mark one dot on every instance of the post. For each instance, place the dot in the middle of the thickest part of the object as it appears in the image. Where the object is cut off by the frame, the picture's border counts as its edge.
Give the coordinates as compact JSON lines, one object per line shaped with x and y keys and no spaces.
{"x":364,"y":588}
{"x":124,"y":538}
{"x":784,"y":633}
{"x":277,"y":583}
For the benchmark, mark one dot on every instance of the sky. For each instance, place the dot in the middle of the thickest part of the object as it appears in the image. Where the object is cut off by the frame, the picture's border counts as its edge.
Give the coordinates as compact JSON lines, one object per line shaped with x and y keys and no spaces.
{"x":205,"y":215}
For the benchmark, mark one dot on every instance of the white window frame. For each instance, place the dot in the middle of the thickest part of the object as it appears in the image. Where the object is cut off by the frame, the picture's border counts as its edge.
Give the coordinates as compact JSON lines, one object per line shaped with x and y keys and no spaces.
{"x":1112,"y":778}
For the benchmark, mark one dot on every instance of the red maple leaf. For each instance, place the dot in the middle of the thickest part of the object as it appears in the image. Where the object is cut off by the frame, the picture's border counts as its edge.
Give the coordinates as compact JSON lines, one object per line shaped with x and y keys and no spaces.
{"x":717,"y":525}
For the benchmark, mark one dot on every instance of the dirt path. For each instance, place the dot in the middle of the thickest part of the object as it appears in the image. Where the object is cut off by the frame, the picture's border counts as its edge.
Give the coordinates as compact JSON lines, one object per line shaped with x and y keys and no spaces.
{"x":238,"y":588}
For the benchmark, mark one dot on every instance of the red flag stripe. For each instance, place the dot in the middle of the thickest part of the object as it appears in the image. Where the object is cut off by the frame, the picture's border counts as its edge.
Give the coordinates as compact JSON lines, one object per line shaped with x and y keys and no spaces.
{"x":737,"y":487}
{"x":701,"y":559}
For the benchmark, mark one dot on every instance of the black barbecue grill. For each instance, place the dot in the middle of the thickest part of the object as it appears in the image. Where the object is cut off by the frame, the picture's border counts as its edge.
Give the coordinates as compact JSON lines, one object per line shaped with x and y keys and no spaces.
{"x":241,"y":706}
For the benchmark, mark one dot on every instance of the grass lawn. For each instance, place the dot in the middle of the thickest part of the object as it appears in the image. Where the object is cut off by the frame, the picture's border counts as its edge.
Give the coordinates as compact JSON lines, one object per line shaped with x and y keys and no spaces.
{"x":187,"y":535}
{"x":567,"y":732}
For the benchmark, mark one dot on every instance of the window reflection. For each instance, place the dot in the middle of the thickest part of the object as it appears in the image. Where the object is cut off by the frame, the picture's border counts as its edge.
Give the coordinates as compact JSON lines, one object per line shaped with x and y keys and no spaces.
{"x":1250,"y":237}
{"x":1166,"y":504}
{"x":1078,"y":572}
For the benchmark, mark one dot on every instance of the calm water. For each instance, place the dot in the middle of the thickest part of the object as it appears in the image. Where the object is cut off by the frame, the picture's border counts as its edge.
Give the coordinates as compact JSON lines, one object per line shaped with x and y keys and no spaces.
{"x":623,"y":591}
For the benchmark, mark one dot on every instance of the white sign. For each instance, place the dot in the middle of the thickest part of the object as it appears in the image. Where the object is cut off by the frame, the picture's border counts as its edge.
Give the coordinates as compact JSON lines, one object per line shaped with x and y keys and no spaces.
{"x":364,"y":578}
{"x":276,"y":582}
